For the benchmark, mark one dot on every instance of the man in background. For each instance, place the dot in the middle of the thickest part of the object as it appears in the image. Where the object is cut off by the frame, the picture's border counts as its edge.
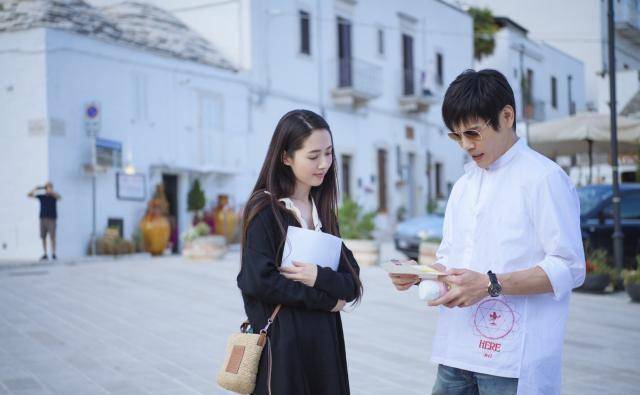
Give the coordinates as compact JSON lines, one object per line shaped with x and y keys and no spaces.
{"x":48,"y":215}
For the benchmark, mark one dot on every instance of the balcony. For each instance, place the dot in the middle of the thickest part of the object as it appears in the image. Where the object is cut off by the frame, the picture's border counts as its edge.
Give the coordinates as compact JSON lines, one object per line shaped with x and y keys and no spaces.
{"x":627,"y":20}
{"x":356,"y":82}
{"x":416,"y":93}
{"x":534,"y":111}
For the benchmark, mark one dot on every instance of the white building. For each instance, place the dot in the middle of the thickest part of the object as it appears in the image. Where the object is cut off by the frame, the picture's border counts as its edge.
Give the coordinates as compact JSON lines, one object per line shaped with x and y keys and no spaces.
{"x":547,"y":82}
{"x":376,"y":70}
{"x":579,"y":28}
{"x":168,"y":104}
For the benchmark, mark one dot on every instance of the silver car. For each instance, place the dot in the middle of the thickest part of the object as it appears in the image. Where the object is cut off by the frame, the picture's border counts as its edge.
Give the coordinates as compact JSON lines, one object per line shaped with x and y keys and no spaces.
{"x":410,"y":233}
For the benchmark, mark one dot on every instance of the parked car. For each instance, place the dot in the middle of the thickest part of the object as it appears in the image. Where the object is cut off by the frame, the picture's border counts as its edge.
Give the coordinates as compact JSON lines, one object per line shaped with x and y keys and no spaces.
{"x":409,"y":233}
{"x":596,"y":218}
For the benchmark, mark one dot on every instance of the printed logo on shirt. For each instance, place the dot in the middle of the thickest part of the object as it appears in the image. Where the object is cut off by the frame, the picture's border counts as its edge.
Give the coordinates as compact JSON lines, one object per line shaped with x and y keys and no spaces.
{"x":494,"y":323}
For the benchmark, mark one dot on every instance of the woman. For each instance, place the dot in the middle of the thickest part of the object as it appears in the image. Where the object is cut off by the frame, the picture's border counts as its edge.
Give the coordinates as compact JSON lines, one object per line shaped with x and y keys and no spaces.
{"x":297,"y":186}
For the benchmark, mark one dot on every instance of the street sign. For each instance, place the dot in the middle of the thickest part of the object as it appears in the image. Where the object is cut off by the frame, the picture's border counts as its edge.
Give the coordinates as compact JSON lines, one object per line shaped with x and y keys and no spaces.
{"x":92,"y":118}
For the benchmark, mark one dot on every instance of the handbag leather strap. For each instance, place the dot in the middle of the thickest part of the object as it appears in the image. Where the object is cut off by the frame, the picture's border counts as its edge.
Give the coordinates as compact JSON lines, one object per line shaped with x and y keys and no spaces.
{"x":263,"y":335}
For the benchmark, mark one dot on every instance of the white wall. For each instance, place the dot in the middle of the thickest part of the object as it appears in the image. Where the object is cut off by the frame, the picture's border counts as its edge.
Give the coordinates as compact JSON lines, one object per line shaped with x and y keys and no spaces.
{"x":577,"y":27}
{"x":24,"y":135}
{"x":167,"y":136}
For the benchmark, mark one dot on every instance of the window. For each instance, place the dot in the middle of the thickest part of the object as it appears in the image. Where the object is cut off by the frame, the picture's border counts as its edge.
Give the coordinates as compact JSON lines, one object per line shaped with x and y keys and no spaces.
{"x":305,"y":33}
{"x":438,"y":181}
{"x":439,"y":69}
{"x":630,"y":206}
{"x":554,"y":92}
{"x":346,"y":176}
{"x":380,"y":42}
{"x":407,"y":65}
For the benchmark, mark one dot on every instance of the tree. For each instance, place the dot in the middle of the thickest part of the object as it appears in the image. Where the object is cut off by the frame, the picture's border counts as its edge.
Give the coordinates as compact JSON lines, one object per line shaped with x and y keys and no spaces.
{"x":484,"y":29}
{"x":196,"y":199}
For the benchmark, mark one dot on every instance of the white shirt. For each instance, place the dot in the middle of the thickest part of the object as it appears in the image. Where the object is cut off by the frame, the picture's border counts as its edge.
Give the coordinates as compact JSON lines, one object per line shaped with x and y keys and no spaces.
{"x":519,"y":213}
{"x":289,"y":205}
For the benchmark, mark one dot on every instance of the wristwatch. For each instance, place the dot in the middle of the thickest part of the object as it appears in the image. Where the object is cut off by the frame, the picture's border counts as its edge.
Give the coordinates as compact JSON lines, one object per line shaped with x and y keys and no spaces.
{"x":494,"y":289}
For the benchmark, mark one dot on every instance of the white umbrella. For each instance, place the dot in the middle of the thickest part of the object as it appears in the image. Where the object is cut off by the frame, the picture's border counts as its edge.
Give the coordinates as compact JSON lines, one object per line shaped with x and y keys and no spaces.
{"x":585,"y":132}
{"x":573,"y":135}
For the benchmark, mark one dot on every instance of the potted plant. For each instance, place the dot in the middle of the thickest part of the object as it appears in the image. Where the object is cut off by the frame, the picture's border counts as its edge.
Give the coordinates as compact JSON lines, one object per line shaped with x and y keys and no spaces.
{"x":196,"y":200}
{"x":632,"y":282}
{"x":599,"y":275}
{"x":199,"y":243}
{"x":356,"y":229}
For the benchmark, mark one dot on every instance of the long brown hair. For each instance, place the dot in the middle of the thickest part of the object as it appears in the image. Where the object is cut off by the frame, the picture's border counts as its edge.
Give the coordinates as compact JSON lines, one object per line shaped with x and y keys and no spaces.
{"x":278,"y":180}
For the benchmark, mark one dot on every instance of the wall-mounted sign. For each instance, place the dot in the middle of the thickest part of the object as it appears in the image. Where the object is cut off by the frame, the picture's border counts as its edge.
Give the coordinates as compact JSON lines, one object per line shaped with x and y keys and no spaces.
{"x":92,"y":118}
{"x":131,"y":187}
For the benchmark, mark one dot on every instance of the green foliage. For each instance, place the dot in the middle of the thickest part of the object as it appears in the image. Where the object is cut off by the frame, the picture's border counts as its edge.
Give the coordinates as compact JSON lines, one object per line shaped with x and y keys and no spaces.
{"x":597,"y":263}
{"x":632,"y":276}
{"x":196,"y":199}
{"x":202,"y":229}
{"x":484,"y":29}
{"x":354,"y":223}
{"x":432,"y":205}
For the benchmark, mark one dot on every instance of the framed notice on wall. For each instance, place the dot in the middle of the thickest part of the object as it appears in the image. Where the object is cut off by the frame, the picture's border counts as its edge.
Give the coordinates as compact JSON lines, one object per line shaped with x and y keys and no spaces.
{"x":131,"y":186}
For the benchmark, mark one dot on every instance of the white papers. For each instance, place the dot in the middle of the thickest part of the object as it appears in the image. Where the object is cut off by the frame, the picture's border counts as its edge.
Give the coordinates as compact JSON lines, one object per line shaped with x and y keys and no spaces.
{"x":404,"y":267}
{"x":309,"y":246}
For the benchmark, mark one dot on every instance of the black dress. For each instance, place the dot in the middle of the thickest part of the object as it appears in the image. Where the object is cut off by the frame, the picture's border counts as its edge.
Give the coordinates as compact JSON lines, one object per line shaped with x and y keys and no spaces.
{"x":307,"y":344}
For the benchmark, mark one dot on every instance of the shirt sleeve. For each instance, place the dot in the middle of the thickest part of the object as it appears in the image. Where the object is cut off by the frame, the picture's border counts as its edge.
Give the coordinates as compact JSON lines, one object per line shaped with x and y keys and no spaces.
{"x":260,"y":278}
{"x":556,"y":219}
{"x":340,"y":284}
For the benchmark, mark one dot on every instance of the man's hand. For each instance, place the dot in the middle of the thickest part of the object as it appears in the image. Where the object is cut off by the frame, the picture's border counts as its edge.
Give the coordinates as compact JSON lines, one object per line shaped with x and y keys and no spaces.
{"x":305,"y":273}
{"x":402,"y":282}
{"x":339,"y":306}
{"x":467,"y":288}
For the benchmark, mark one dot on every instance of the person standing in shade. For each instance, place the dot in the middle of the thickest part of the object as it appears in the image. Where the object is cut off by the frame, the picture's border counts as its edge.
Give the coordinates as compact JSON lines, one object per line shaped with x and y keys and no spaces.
{"x":48,"y":216}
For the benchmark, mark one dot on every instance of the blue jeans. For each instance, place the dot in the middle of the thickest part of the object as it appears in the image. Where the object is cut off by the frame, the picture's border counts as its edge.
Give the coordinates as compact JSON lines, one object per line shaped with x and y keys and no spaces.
{"x":453,"y":381}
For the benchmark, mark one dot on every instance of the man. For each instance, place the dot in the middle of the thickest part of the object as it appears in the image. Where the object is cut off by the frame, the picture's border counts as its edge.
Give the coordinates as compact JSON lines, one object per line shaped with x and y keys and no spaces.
{"x":48,"y":216}
{"x":511,"y":248}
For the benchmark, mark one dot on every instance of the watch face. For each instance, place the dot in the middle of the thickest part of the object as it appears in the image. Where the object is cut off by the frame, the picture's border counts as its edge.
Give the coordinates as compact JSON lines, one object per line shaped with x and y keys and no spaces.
{"x":495,"y":290}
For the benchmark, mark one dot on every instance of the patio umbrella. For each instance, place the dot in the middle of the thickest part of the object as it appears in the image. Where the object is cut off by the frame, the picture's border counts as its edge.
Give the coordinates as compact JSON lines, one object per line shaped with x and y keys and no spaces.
{"x":585,"y":132}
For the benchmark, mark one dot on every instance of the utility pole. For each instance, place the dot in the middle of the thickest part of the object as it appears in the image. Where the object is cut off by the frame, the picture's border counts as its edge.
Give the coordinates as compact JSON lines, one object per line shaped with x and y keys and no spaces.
{"x":617,"y":228}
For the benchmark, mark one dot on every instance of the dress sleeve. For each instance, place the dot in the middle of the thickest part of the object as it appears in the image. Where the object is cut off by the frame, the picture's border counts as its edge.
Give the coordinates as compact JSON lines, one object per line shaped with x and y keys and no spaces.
{"x":260,"y":278}
{"x":340,"y":284}
{"x":556,"y":219}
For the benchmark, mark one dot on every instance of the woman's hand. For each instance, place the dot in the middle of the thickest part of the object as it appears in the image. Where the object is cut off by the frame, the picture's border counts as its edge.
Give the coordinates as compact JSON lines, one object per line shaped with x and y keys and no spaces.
{"x":339,"y":306}
{"x":305,"y":273}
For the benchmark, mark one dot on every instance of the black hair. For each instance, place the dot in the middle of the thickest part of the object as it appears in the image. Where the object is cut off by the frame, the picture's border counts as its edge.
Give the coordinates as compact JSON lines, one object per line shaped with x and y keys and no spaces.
{"x":477,"y":94}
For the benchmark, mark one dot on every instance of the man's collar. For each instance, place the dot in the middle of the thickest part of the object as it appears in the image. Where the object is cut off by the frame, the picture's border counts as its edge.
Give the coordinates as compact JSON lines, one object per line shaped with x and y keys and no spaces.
{"x":502,"y":160}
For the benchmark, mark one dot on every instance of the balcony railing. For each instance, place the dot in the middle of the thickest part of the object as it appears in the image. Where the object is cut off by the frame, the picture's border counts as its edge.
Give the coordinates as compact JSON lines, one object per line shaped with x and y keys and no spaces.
{"x":627,"y":20}
{"x":417,"y":91}
{"x":356,"y":82}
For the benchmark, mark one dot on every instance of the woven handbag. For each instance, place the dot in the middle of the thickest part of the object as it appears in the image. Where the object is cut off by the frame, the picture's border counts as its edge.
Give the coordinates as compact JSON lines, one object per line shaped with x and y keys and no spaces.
{"x":240,"y":367}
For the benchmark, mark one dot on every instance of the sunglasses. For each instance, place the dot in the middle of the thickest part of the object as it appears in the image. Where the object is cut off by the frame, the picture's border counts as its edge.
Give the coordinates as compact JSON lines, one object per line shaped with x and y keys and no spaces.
{"x":471,"y":134}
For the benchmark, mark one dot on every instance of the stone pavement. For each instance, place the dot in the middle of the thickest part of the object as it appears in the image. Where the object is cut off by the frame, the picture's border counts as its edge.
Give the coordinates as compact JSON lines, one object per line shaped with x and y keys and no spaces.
{"x":159,"y":326}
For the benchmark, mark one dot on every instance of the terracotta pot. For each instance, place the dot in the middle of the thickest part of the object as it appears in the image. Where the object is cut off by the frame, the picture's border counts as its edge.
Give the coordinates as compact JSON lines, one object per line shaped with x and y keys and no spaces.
{"x":595,"y":282}
{"x":155,"y":231}
{"x":634,"y":292}
{"x":366,"y":252}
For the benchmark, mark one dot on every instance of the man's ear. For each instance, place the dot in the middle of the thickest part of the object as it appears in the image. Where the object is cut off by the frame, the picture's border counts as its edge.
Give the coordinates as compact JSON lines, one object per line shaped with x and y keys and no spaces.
{"x":508,"y":116}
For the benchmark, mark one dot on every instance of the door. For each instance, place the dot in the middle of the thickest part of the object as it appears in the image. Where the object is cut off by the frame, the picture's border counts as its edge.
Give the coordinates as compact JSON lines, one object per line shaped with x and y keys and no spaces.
{"x":170,"y":182}
{"x":382,"y":181}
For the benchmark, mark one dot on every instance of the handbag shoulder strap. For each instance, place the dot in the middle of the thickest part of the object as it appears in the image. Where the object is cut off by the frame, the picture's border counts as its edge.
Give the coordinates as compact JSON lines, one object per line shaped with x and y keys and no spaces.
{"x":263,"y":332}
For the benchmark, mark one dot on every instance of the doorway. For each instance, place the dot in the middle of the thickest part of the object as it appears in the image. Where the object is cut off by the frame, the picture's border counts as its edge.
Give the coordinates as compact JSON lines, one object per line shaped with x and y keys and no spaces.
{"x":170,"y":182}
